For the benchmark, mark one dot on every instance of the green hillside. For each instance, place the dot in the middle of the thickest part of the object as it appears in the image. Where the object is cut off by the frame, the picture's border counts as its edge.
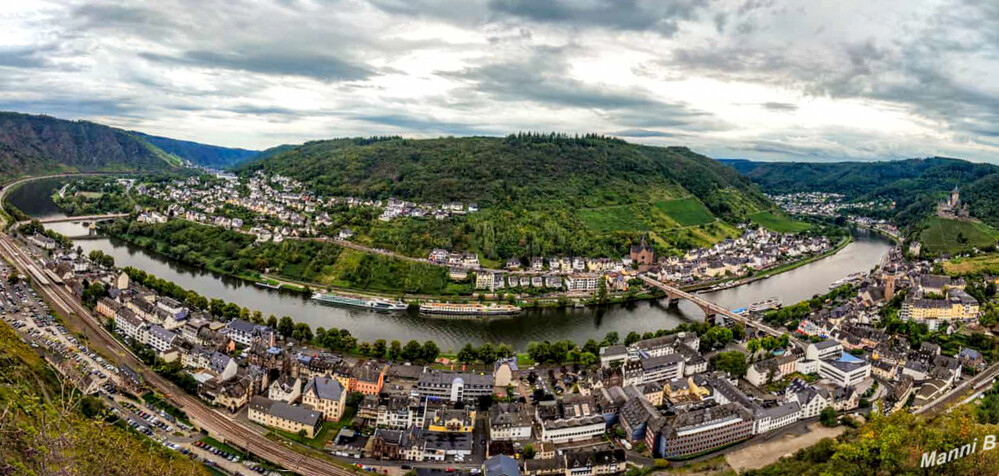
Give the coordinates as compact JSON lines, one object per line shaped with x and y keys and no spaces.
{"x":686,"y":211}
{"x":41,"y":144}
{"x":44,"y":432}
{"x":779,"y":222}
{"x":941,"y":235}
{"x":538,"y":194}
{"x":201,"y":154}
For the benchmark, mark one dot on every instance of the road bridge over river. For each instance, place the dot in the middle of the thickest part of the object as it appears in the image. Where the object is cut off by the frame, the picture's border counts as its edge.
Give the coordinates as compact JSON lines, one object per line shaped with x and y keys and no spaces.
{"x":711,"y":309}
{"x":90,"y":218}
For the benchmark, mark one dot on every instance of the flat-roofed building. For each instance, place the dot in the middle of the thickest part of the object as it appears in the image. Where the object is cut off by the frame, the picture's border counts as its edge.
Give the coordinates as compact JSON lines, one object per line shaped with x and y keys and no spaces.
{"x":467,"y":387}
{"x":701,"y":430}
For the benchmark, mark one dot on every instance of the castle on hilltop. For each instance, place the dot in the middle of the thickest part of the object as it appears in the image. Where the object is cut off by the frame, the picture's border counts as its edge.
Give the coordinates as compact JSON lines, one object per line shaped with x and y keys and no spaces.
{"x":952,"y":206}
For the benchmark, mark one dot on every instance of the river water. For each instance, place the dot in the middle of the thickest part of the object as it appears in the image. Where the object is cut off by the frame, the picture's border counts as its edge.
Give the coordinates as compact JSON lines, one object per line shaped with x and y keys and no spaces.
{"x":576,"y":324}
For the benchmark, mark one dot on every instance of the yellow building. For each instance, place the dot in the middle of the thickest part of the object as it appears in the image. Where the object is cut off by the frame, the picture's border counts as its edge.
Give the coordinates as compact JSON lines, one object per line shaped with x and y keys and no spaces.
{"x":941,"y":309}
{"x":284,"y":417}
{"x":327,"y":396}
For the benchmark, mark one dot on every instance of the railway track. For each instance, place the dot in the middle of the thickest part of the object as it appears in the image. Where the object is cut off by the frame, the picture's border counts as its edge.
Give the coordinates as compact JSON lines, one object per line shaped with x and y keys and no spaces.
{"x":216,"y":423}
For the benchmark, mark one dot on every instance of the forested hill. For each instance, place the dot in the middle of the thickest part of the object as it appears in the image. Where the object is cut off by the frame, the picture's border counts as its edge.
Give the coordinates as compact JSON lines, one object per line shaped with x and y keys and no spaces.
{"x":914,"y":184}
{"x":41,"y":144}
{"x":532,"y":170}
{"x":201,"y":154}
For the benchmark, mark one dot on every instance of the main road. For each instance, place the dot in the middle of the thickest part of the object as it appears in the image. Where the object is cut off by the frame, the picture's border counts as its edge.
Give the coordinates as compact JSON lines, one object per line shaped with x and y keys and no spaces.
{"x":223,"y":426}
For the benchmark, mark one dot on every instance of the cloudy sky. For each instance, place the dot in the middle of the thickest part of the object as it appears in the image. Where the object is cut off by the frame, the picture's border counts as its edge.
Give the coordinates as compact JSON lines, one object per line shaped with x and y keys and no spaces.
{"x":765,"y":79}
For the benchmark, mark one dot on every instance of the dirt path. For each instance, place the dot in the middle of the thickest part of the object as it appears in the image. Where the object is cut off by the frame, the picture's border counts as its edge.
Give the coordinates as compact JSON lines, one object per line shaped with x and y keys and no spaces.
{"x":760,"y":455}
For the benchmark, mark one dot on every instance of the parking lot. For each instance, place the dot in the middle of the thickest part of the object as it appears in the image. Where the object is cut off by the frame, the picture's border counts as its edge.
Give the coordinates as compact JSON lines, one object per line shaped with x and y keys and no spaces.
{"x":35,"y":323}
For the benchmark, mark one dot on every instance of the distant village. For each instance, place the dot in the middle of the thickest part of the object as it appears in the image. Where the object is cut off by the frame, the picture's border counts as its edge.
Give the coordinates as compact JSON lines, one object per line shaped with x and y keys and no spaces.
{"x":833,"y":205}
{"x":296,"y":211}
{"x":287,"y":211}
{"x":656,"y":395}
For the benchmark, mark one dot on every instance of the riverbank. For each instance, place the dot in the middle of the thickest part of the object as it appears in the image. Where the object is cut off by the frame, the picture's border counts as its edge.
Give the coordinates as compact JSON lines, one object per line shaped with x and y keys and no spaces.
{"x":443,"y":289}
{"x":535,"y":324}
{"x":304,"y":265}
{"x":547,"y":300}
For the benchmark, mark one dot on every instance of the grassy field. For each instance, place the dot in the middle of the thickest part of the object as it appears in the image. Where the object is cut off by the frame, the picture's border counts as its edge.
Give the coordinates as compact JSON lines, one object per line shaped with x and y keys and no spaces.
{"x":980,"y":264}
{"x":617,"y":218}
{"x":686,"y":211}
{"x":778,"y":223}
{"x":942,"y":235}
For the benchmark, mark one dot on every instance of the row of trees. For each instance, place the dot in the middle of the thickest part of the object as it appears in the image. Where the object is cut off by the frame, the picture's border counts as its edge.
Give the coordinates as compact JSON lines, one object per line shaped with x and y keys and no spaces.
{"x":486,"y":353}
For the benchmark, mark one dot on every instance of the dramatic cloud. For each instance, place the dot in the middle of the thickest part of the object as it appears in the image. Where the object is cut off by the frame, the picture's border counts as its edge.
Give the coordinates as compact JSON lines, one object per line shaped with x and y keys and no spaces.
{"x":764,"y":79}
{"x":318,"y":66}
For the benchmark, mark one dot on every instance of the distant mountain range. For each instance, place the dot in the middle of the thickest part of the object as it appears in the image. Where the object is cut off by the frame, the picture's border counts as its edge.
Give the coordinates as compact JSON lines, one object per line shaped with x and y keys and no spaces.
{"x":32,"y":144}
{"x":201,"y":154}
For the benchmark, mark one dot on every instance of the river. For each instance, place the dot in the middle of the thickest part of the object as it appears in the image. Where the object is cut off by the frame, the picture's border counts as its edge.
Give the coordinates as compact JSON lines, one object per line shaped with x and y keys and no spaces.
{"x":576,"y":324}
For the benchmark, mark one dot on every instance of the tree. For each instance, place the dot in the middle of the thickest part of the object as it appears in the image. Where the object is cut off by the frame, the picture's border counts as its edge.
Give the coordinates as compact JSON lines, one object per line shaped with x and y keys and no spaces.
{"x":753,"y":346}
{"x":467,"y":354}
{"x":602,"y":290}
{"x":721,"y":336}
{"x":738,"y":332}
{"x":611,"y":338}
{"x":286,"y":326}
{"x":378,"y":348}
{"x":301,"y":332}
{"x":587,"y":359}
{"x":632,"y":338}
{"x":828,"y":417}
{"x":430,"y":351}
{"x":272,"y":322}
{"x":412,"y":351}
{"x":395,"y":350}
{"x":486,"y":353}
{"x":768,"y":343}
{"x":504,"y":350}
{"x":93,"y":293}
{"x":528,"y":451}
{"x":733,"y":362}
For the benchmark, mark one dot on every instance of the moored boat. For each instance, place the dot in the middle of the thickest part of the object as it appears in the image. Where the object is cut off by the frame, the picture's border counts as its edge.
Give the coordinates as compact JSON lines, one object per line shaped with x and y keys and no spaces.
{"x":772,"y":303}
{"x":468,"y":309}
{"x":374,"y":304}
